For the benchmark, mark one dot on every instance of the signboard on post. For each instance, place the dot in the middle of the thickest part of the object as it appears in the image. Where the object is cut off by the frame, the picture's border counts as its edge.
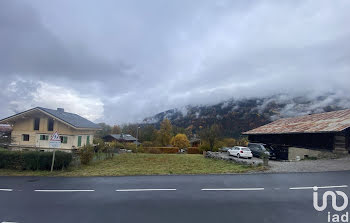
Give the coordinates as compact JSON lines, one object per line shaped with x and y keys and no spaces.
{"x":55,"y":143}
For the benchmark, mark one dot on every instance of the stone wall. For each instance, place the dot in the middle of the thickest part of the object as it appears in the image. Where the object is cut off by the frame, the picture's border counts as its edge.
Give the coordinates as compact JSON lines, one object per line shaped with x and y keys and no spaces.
{"x":225,"y":156}
{"x":303,"y":153}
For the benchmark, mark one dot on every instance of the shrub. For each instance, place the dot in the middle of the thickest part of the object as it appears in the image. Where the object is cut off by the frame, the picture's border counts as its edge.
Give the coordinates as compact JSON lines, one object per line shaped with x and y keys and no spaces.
{"x":100,"y":144}
{"x":117,"y":145}
{"x":140,"y":149}
{"x":169,"y":149}
{"x":62,"y":160}
{"x":11,"y":160}
{"x":193,"y":150}
{"x":33,"y":160}
{"x":218,"y":144}
{"x":86,"y":154}
{"x":154,"y":151}
{"x":147,"y":144}
{"x":229,"y":142}
{"x":180,"y":141}
{"x":130,"y":146}
{"x":204,"y":147}
{"x":158,"y":150}
{"x":108,"y":150}
{"x":242,"y":142}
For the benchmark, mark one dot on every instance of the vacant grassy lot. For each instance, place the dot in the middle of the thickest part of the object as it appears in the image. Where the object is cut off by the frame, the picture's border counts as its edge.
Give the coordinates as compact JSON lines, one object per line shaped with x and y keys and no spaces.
{"x":145,"y":164}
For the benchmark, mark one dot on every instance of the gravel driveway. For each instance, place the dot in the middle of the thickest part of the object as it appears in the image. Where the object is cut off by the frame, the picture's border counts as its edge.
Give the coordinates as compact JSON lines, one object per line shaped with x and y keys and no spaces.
{"x":321,"y":165}
{"x":310,"y":165}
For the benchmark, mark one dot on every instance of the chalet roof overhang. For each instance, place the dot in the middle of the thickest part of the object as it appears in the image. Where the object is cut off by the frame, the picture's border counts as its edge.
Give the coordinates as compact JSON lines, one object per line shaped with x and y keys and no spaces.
{"x":327,"y":122}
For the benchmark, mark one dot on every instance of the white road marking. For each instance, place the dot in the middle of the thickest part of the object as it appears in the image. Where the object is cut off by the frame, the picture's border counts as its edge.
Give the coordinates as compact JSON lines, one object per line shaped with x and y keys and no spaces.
{"x":6,"y":189}
{"x":135,"y":190}
{"x":316,"y":187}
{"x":9,"y":222}
{"x":64,"y":190}
{"x":232,"y":189}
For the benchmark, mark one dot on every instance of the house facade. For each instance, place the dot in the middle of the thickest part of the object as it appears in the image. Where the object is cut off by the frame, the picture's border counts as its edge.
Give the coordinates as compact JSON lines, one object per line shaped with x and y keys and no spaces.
{"x":307,"y":135}
{"x":33,"y":128}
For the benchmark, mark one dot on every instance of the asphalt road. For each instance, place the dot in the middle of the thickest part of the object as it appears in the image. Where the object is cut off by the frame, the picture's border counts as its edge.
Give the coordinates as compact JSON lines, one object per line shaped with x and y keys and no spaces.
{"x":199,"y":198}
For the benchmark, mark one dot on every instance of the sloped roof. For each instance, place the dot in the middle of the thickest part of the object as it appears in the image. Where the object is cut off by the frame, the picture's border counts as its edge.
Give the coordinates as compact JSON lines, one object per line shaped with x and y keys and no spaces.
{"x":125,"y":137}
{"x":70,"y":118}
{"x":195,"y":140}
{"x":317,"y":123}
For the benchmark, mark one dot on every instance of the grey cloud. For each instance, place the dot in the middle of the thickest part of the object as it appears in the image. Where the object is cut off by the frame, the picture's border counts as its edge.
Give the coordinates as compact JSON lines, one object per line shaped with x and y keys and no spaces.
{"x":138,"y":58}
{"x":30,"y":48}
{"x":13,"y":94}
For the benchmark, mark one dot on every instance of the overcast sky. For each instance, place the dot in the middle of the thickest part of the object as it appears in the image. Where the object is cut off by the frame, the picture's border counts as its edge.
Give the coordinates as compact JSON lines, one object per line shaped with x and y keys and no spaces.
{"x":120,"y":61}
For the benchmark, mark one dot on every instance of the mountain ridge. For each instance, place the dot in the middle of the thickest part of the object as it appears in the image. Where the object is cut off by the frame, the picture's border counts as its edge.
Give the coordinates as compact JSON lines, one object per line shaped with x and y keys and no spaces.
{"x":238,"y":115}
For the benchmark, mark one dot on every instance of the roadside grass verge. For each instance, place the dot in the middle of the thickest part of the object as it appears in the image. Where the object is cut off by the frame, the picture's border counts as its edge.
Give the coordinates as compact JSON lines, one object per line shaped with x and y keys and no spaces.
{"x":145,"y":164}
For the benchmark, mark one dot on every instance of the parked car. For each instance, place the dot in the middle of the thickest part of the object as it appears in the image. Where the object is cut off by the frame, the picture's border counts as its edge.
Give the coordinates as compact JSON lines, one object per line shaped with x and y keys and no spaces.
{"x":240,"y":151}
{"x":258,"y":149}
{"x":224,"y":149}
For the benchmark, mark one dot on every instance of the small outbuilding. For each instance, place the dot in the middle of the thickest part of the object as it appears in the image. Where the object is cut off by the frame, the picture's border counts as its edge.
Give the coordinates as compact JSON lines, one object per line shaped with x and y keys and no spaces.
{"x":308,"y":135}
{"x":195,"y":142}
{"x":122,"y":138}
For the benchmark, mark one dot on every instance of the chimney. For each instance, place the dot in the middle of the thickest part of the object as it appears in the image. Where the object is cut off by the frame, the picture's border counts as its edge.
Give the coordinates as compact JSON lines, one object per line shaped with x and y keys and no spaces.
{"x":60,"y":109}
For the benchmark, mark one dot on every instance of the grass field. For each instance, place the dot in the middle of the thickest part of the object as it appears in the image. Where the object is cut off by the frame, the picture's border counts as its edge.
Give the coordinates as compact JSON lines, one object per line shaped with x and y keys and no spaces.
{"x":145,"y":164}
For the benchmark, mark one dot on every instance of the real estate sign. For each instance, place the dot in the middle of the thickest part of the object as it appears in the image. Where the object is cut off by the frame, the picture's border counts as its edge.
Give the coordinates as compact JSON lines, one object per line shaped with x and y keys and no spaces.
{"x":55,"y":141}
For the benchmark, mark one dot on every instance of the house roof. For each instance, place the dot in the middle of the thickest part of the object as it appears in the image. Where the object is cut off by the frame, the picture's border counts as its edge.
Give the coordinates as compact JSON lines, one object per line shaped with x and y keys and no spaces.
{"x":195,"y":140}
{"x":125,"y":137}
{"x":72,"y":119}
{"x":317,"y":123}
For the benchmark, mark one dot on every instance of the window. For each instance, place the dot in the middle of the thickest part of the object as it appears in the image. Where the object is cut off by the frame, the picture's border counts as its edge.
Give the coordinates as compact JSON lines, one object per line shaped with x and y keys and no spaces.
{"x":87,"y":140}
{"x":79,"y":140}
{"x":64,"y":139}
{"x":44,"y":137}
{"x":36,"y":123}
{"x":25,"y":137}
{"x":50,"y":124}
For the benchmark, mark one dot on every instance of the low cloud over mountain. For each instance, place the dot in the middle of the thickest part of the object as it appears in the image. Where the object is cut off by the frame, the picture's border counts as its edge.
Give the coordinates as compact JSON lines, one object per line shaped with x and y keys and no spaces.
{"x":237,"y":116}
{"x":122,"y":61}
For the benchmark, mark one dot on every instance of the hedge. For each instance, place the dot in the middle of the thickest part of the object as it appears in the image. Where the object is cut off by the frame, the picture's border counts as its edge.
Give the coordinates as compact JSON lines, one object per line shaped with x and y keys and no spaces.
{"x":158,"y":150}
{"x":33,"y":160}
{"x":86,"y":154}
{"x":193,"y":150}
